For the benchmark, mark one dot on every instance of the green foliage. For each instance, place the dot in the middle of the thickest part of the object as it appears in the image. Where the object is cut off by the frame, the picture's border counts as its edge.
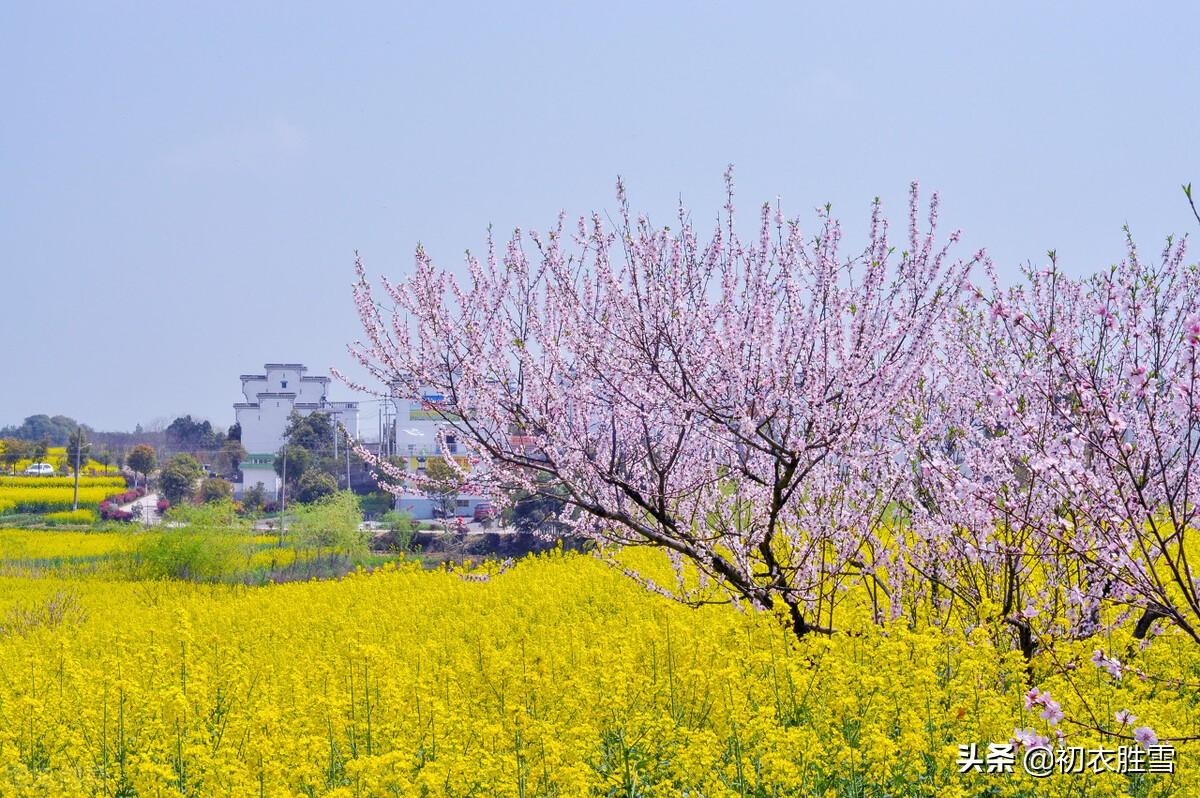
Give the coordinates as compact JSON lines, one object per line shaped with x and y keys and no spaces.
{"x":14,"y":451}
{"x":188,"y":434}
{"x":254,"y":497}
{"x":375,"y":504}
{"x":331,"y":527}
{"x":294,"y":460}
{"x":215,"y":489}
{"x":179,"y":476}
{"x":54,"y":430}
{"x":78,"y":450}
{"x":203,"y":542}
{"x":215,"y":517}
{"x":537,"y":511}
{"x":314,"y":486}
{"x":401,"y":528}
{"x":142,"y":459}
{"x":443,"y":486}
{"x":186,"y":554}
{"x":231,"y":455}
{"x":314,"y":432}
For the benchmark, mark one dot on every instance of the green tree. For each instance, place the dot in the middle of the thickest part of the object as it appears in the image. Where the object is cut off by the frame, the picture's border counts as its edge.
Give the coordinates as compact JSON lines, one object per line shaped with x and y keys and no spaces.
{"x":215,"y":489}
{"x":314,"y":486}
{"x":142,"y":460}
{"x":35,"y":428}
{"x":40,"y":450}
{"x":188,"y":434}
{"x":179,"y":477}
{"x":15,"y":450}
{"x":78,"y":454}
{"x":255,"y":497}
{"x":78,"y":450}
{"x":230,"y":457}
{"x":401,"y":527}
{"x":291,"y":462}
{"x":315,"y":432}
{"x":538,"y":511}
{"x":442,"y":484}
{"x":331,"y":527}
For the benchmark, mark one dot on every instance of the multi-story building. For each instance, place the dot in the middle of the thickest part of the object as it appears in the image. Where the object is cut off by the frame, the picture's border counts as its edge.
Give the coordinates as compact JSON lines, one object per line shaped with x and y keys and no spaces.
{"x":411,"y":432}
{"x":270,"y":398}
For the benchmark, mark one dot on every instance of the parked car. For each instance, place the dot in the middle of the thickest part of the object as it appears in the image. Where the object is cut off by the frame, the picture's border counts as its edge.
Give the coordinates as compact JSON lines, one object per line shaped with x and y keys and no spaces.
{"x":484,"y":511}
{"x":39,"y":470}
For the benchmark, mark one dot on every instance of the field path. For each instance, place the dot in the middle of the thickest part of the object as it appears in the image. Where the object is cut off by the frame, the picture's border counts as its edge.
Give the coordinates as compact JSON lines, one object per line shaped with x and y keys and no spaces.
{"x":148,"y":505}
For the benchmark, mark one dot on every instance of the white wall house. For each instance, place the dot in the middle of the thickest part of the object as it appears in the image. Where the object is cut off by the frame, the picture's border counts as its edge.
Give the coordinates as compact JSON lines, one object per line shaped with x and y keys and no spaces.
{"x":414,"y":427}
{"x":270,"y":398}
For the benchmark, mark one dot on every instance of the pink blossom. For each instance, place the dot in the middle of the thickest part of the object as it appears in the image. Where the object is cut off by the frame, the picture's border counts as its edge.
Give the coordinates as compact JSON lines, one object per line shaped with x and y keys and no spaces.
{"x":1052,"y":714}
{"x":1145,"y":736}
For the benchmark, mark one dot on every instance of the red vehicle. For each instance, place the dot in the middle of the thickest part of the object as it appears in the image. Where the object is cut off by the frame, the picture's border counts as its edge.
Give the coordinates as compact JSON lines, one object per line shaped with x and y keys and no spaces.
{"x":484,"y":511}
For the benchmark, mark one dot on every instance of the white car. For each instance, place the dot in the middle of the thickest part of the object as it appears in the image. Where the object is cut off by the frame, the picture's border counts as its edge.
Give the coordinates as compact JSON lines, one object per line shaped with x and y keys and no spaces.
{"x":39,"y":470}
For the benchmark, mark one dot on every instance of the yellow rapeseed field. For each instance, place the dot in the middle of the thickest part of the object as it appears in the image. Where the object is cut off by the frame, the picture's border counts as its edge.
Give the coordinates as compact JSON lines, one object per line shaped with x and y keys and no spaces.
{"x":50,"y":494}
{"x":557,"y":677}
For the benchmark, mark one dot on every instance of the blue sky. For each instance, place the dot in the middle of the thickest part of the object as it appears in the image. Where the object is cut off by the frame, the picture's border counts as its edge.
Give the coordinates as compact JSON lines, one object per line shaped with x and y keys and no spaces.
{"x":182,"y":188}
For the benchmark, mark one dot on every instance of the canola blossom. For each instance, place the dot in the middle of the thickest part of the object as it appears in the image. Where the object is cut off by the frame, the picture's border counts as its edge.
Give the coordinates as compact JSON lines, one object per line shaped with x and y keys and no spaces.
{"x":555,"y":677}
{"x":53,"y":494}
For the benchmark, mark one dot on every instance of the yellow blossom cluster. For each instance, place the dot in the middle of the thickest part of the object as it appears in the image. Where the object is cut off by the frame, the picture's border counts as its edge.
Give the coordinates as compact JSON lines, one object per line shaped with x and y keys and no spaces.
{"x":556,"y":677}
{"x":48,"y":494}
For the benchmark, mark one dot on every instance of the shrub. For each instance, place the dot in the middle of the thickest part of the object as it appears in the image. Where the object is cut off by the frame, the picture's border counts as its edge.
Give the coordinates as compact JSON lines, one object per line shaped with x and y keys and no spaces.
{"x":314,"y":486}
{"x":400,"y":527}
{"x":215,"y":489}
{"x":187,"y":554}
{"x":179,"y":477}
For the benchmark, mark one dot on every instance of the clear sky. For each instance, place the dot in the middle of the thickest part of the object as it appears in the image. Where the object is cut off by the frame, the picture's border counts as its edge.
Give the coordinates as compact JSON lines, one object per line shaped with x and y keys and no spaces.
{"x":182,"y":186}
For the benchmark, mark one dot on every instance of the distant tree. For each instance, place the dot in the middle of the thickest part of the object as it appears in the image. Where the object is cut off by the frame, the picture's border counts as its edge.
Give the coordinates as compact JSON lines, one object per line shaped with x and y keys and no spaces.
{"x":314,"y":432}
{"x":539,"y":510}
{"x":230,"y":456}
{"x":235,"y":432}
{"x":54,"y":429}
{"x":15,"y":450}
{"x":188,"y":434}
{"x":104,"y":457}
{"x":215,"y":489}
{"x":41,"y":449}
{"x":297,"y":460}
{"x":142,"y":460}
{"x":442,"y":484}
{"x":77,"y":450}
{"x":179,"y":477}
{"x":314,"y":486}
{"x":78,"y":453}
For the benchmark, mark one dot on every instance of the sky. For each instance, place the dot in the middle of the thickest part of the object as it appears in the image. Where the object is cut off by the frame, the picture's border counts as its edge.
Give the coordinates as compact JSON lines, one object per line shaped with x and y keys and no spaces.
{"x":183,"y":186}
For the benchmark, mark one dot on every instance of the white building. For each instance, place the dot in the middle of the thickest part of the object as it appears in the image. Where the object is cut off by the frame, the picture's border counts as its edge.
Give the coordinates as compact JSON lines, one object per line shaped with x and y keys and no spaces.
{"x":411,"y":432}
{"x":270,"y":398}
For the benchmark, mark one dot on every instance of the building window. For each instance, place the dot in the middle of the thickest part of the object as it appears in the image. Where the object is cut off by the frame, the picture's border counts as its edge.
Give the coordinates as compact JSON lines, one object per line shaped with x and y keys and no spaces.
{"x":451,"y":444}
{"x":463,"y":502}
{"x":283,"y":384}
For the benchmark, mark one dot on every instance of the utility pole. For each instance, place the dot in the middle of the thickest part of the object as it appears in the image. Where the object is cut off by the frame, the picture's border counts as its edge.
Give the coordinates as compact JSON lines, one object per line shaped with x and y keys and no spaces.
{"x":78,"y":447}
{"x":283,"y":496}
